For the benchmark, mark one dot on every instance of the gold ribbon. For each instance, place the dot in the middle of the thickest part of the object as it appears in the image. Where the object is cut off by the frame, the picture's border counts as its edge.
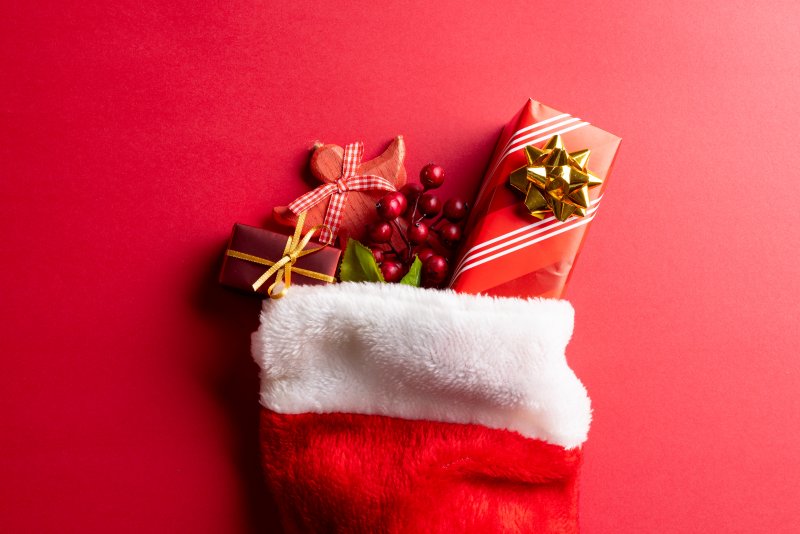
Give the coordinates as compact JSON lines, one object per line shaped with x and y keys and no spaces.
{"x":555,"y":180}
{"x":284,"y":266}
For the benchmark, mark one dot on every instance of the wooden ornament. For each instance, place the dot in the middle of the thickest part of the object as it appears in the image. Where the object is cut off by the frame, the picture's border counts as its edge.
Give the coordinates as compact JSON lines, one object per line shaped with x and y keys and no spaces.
{"x":326,"y":165}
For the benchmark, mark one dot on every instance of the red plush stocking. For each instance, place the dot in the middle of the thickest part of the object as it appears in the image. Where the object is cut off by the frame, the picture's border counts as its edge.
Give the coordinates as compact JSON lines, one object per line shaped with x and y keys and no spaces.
{"x":389,"y":408}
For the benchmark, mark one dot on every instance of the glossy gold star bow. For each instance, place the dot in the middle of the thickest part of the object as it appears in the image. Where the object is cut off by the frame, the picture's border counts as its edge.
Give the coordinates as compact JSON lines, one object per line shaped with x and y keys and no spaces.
{"x":555,"y":181}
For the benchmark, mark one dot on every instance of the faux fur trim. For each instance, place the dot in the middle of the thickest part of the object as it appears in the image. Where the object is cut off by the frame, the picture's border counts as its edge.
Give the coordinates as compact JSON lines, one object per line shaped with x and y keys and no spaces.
{"x":354,"y":474}
{"x":400,"y":351}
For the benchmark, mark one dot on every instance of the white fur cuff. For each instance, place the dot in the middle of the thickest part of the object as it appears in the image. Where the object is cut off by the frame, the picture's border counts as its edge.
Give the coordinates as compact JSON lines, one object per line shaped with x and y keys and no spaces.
{"x":389,"y":349}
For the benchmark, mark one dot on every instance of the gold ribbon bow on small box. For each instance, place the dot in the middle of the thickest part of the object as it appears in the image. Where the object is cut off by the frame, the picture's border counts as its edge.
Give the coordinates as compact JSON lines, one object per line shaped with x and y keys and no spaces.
{"x":284,"y":267}
{"x":555,"y":181}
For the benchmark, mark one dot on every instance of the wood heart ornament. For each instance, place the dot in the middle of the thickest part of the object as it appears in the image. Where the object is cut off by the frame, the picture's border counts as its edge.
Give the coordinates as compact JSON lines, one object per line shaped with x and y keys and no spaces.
{"x":350,"y":189}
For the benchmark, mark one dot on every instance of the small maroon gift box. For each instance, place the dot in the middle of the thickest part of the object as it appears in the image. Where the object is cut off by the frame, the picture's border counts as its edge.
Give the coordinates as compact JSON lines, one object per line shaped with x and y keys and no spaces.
{"x":253,"y":251}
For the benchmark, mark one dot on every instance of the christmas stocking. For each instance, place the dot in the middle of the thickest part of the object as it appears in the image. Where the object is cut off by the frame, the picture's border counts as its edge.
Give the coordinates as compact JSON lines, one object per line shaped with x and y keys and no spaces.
{"x":389,"y":408}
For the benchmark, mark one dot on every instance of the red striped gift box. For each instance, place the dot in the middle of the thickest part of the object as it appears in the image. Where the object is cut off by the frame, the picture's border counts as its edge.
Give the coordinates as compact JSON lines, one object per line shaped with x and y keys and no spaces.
{"x":507,"y":252}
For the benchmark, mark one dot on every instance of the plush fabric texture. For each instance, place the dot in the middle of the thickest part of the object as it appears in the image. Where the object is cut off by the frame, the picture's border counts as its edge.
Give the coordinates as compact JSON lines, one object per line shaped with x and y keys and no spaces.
{"x":351,"y":473}
{"x":389,"y":409}
{"x":400,"y":351}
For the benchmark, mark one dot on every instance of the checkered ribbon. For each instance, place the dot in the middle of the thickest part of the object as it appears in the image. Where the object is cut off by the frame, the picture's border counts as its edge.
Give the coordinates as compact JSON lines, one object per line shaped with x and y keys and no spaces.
{"x":338,"y":190}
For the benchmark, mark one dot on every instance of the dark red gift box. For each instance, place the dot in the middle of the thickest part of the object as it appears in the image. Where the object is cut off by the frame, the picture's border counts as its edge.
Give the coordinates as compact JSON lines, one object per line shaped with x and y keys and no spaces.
{"x":267,"y":246}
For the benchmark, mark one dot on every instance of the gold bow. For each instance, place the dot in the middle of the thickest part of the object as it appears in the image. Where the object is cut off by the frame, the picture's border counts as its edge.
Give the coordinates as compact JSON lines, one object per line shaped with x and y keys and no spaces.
{"x":284,"y":266}
{"x":555,"y":180}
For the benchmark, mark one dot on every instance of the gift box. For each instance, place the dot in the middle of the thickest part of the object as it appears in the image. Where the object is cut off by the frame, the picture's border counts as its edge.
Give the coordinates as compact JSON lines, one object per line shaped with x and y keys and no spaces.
{"x":253,"y":252}
{"x":524,"y":232}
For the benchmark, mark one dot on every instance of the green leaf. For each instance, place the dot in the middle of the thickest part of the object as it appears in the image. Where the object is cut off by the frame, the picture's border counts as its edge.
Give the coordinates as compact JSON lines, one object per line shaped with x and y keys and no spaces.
{"x":359,"y":265}
{"x":414,"y":275}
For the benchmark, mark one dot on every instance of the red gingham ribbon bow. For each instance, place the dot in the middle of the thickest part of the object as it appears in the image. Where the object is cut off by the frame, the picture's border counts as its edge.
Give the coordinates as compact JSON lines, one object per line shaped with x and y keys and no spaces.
{"x":338,"y":190}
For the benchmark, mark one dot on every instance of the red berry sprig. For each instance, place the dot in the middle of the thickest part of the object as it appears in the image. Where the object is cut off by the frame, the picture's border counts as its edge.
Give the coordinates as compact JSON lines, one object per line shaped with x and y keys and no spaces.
{"x":431,"y":176}
{"x":450,"y":234}
{"x":433,"y":229}
{"x":391,"y":206}
{"x":455,"y":209}
{"x":429,"y":205}
{"x":379,"y":232}
{"x":418,"y":233}
{"x":392,"y":270}
{"x":435,"y":269}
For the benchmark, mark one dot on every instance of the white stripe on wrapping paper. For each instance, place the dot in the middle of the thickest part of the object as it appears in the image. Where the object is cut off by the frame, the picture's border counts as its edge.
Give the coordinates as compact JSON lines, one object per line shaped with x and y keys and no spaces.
{"x":518,"y":135}
{"x":509,"y":239}
{"x":514,"y":145}
{"x":517,"y":140}
{"x":561,"y":229}
{"x":471,"y":252}
{"x":539,"y":137}
{"x":510,"y":149}
{"x":514,"y":138}
{"x":540,"y":231}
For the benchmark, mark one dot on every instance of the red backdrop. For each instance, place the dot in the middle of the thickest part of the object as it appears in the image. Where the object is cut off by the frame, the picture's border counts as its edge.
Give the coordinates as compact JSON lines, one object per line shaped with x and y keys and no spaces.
{"x":135,"y":133}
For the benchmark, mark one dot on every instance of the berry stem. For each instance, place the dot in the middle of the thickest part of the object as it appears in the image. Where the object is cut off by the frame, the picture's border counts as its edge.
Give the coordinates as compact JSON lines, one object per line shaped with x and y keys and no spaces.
{"x":402,"y":234}
{"x":416,"y":203}
{"x":394,"y":250}
{"x":431,"y":225}
{"x":437,"y":221}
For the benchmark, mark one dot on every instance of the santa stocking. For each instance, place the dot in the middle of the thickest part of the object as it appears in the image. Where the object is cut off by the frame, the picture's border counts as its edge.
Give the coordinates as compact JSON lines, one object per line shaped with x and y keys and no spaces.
{"x":389,"y":408}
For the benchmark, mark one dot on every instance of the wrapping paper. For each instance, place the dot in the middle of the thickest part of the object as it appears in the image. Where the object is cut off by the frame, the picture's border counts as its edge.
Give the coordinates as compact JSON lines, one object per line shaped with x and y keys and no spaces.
{"x":241,"y":274}
{"x":507,"y":252}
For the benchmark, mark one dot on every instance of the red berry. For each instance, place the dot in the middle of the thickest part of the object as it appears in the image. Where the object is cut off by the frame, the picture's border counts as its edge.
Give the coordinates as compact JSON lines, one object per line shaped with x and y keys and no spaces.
{"x":378,"y":255}
{"x":401,"y":198}
{"x":430,"y":205}
{"x":391,"y":206}
{"x":412,"y":191}
{"x":424,"y":254}
{"x":431,"y":176}
{"x":450,"y":234}
{"x":392,"y":271}
{"x":379,"y":232}
{"x":455,"y":209}
{"x":435,"y":269}
{"x":418,"y":233}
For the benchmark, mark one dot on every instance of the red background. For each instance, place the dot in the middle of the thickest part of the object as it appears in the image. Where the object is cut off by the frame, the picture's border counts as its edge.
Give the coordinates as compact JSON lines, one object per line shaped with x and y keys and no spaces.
{"x":135,"y":133}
